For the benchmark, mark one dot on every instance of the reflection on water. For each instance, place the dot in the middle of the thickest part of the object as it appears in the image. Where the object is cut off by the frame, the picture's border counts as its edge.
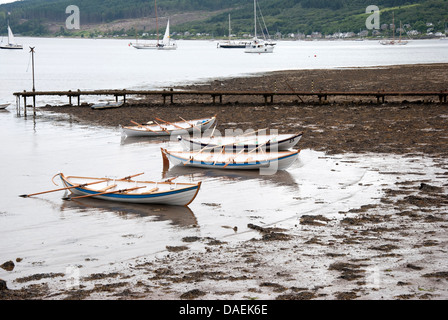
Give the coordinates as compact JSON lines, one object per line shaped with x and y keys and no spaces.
{"x":49,"y":234}
{"x":280,"y":178}
{"x":144,"y":140}
{"x":176,"y":215}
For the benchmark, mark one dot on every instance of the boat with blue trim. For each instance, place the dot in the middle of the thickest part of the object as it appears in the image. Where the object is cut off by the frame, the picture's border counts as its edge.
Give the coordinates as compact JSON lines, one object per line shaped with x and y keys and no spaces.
{"x":242,"y":160}
{"x":131,"y":191}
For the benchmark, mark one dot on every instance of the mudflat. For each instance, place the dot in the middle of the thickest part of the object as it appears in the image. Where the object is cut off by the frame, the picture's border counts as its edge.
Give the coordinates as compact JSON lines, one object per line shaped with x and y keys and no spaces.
{"x":392,"y":249}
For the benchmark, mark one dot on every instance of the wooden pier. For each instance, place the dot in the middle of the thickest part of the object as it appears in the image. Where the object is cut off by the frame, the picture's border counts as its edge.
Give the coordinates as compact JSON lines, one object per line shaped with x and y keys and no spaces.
{"x":218,"y":95}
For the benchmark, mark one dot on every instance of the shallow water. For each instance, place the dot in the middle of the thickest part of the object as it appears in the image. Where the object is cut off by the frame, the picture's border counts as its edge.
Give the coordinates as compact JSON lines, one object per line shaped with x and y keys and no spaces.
{"x":71,"y":64}
{"x":51,"y":235}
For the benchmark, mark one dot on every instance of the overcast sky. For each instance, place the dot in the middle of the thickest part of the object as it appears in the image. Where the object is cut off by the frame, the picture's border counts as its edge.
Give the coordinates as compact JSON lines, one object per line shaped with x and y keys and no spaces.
{"x":6,"y":1}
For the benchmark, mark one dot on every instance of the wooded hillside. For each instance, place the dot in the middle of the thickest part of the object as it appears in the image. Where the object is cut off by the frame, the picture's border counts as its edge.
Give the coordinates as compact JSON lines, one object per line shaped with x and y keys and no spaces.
{"x":34,"y":17}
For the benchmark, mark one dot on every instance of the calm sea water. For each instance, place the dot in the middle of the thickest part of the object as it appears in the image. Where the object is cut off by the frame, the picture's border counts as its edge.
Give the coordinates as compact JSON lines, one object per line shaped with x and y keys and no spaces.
{"x":70,"y":64}
{"x":51,"y":235}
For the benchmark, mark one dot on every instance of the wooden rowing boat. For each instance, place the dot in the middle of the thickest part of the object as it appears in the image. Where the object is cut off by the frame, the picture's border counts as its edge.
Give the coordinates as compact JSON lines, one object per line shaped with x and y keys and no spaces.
{"x":242,"y":160}
{"x":131,"y":191}
{"x":271,"y":142}
{"x":159,"y":127}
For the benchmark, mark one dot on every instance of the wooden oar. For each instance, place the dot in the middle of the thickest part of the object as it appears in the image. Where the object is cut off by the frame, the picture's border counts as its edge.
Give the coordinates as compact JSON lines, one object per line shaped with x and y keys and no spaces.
{"x":77,"y":185}
{"x":164,"y":129}
{"x":233,"y":158}
{"x":222,"y":150}
{"x":259,"y":146}
{"x":129,"y":177}
{"x":103,"y":193}
{"x":191,"y":158}
{"x":142,"y":126}
{"x":60,"y":189}
{"x":173,"y":124}
{"x":215,"y":147}
{"x":247,"y":153}
{"x":186,"y":122}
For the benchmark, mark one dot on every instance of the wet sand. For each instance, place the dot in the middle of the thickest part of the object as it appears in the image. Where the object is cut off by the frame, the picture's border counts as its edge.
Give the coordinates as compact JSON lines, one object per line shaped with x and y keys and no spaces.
{"x":393,"y":249}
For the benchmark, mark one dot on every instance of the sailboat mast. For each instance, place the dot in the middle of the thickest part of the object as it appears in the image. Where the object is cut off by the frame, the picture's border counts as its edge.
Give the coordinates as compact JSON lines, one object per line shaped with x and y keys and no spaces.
{"x":255,"y":17}
{"x":157,"y":22}
{"x":229,"y":28}
{"x":393,"y":26}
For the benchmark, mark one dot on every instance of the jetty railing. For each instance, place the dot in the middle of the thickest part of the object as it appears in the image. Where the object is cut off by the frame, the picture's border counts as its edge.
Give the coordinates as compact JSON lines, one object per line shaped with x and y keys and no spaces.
{"x":267,"y":95}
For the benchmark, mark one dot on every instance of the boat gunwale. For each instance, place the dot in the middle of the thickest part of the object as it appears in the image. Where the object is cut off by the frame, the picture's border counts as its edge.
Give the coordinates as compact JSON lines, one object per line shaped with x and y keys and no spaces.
{"x":231,"y":164}
{"x":232,"y":145}
{"x":142,"y":128}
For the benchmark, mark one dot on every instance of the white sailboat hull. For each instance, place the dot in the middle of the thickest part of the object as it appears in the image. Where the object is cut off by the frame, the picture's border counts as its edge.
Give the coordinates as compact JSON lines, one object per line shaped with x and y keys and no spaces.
{"x":259,"y":48}
{"x":11,"y":46}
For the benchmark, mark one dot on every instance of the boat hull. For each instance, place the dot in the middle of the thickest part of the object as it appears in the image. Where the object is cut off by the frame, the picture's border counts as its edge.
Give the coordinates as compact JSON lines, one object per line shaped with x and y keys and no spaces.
{"x":154,"y":131}
{"x":155,"y":47}
{"x":280,"y":162}
{"x":259,"y":49}
{"x":12,"y":47}
{"x":175,"y":194}
{"x":284,"y":142}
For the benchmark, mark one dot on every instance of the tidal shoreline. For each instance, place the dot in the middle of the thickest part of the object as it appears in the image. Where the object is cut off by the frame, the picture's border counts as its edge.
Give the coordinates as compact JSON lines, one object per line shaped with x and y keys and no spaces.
{"x":394,"y":248}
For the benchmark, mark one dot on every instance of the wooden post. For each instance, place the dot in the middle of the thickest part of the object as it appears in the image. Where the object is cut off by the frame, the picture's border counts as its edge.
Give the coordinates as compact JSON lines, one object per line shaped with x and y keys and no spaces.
{"x":69,"y":97}
{"x":34,"y":89}
{"x":24,"y":104}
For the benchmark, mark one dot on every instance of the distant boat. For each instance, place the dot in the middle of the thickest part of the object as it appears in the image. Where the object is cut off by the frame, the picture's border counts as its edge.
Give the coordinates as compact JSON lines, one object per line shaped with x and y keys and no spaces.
{"x":4,"y":106}
{"x":107,"y":105}
{"x":232,"y":44}
{"x":393,"y":42}
{"x":166,"y":44}
{"x":258,"y":45}
{"x":11,"y":41}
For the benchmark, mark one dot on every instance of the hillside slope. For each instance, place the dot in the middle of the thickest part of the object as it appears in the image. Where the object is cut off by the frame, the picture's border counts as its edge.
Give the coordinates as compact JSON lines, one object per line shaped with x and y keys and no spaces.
{"x":43,"y":17}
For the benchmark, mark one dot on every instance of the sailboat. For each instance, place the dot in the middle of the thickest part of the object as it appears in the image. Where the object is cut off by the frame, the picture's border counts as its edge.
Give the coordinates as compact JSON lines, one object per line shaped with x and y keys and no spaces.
{"x":393,"y":42}
{"x":401,"y":42}
{"x":229,"y":44}
{"x":166,"y":44}
{"x":11,"y":41}
{"x":258,"y":45}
